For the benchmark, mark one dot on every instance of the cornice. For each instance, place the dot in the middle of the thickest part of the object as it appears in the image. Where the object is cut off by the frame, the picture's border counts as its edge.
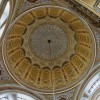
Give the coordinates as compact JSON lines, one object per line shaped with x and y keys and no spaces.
{"x":93,"y":18}
{"x":80,"y":9}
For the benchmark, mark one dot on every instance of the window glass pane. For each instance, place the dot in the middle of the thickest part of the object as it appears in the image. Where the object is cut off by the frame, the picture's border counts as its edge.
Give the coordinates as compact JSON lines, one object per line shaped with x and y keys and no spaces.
{"x":18,"y":99}
{"x":24,"y":97}
{"x":5,"y":14}
{"x":15,"y":96}
{"x":4,"y":98}
{"x":93,"y":84}
{"x":4,"y":17}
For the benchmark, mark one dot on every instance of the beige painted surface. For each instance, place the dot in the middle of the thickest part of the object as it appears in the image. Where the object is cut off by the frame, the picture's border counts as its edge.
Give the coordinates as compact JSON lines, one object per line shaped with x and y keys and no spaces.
{"x":98,"y":98}
{"x":90,"y":2}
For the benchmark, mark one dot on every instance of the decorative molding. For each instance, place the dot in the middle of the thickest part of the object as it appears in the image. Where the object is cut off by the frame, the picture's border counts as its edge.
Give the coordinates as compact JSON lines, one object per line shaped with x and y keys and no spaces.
{"x":17,"y":88}
{"x":66,"y":95}
{"x":96,"y":5}
{"x":94,"y":19}
{"x":80,"y":9}
{"x":86,"y":81}
{"x":68,"y":75}
{"x":26,"y":4}
{"x":98,"y":44}
{"x":3,"y":74}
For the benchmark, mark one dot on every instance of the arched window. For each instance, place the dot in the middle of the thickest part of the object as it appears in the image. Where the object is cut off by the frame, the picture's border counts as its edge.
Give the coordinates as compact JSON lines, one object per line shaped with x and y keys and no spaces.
{"x":91,"y":87}
{"x":15,"y":96}
{"x":93,"y":84}
{"x":4,"y":13}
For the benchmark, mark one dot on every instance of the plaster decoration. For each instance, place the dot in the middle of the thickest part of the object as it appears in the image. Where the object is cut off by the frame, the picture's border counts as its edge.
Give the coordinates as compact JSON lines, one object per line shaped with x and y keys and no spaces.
{"x":97,"y":35}
{"x":38,"y":1}
{"x":63,"y":96}
{"x":3,"y":74}
{"x":98,"y":40}
{"x":88,"y":14}
{"x":14,"y":91}
{"x":49,"y":48}
{"x":89,"y":88}
{"x":27,"y":4}
{"x":48,"y":41}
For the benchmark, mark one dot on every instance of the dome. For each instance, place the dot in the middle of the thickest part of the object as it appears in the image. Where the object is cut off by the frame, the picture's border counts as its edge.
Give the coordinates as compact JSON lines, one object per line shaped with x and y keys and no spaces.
{"x":48,"y":48}
{"x":14,"y":91}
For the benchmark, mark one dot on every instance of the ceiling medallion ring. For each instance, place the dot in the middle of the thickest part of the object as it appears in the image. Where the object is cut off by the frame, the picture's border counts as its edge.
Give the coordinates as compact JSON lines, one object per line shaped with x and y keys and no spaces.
{"x":20,"y":67}
{"x":55,"y":38}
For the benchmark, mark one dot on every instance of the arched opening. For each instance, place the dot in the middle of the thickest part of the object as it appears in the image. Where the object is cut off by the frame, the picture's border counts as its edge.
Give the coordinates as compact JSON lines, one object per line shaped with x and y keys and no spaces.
{"x":90,"y":90}
{"x":4,"y":13}
{"x":15,"y":96}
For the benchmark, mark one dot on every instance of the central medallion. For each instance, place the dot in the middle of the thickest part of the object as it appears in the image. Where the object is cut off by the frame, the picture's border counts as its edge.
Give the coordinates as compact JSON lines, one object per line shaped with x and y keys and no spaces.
{"x":48,"y":41}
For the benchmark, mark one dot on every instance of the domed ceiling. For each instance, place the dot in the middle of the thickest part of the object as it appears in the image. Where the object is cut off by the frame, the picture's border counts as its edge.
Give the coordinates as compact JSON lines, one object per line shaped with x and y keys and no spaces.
{"x":48,"y":48}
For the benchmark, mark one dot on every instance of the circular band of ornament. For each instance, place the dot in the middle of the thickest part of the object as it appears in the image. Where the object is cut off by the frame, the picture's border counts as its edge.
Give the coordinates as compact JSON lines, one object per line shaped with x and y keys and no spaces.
{"x":49,"y":48}
{"x":6,"y":90}
{"x":48,"y":41}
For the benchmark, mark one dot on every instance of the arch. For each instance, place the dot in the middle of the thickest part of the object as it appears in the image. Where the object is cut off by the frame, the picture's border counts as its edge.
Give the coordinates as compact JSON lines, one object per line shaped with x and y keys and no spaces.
{"x":90,"y":85}
{"x":6,"y":11}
